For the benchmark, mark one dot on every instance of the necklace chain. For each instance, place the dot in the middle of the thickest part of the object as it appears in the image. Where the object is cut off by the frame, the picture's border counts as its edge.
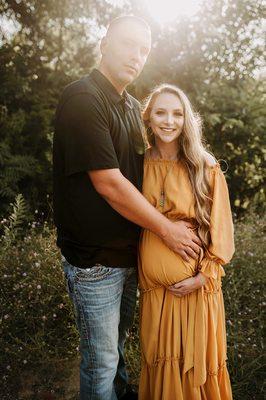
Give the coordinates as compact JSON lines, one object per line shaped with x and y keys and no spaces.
{"x":162,"y":194}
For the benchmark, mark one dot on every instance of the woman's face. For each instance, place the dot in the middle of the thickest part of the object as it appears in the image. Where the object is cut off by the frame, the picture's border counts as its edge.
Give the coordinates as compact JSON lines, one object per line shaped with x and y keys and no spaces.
{"x":167,"y":117}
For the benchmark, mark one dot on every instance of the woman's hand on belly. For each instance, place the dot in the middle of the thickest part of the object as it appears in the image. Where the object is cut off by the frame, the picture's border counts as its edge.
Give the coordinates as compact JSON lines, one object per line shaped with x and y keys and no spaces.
{"x":188,"y":285}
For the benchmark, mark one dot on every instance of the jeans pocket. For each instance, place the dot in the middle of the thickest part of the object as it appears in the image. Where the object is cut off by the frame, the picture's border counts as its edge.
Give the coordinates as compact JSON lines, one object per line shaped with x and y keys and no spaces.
{"x":68,"y":276}
{"x":96,"y":273}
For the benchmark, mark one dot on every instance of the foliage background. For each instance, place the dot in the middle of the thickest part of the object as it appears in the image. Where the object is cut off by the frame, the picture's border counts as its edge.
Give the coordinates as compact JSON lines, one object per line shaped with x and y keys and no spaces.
{"x":216,"y":57}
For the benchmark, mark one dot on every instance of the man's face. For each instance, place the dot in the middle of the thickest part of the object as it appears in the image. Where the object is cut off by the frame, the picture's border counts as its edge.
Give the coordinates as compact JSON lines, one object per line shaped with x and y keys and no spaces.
{"x":125,"y":50}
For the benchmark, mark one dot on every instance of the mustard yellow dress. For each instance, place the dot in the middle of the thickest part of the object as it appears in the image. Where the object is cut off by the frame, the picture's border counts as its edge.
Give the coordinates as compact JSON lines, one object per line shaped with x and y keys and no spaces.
{"x":183,"y":340}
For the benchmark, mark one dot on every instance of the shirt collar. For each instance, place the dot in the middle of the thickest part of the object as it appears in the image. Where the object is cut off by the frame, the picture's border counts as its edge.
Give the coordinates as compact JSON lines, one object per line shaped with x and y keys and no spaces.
{"x":110,"y":91}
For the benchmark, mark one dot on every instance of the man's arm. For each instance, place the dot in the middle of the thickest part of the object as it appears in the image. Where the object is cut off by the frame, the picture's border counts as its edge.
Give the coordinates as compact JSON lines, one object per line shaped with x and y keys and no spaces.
{"x":123,"y":197}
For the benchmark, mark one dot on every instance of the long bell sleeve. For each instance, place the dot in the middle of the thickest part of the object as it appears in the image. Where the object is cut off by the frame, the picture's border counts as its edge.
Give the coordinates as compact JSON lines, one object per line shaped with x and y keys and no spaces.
{"x":221,"y":247}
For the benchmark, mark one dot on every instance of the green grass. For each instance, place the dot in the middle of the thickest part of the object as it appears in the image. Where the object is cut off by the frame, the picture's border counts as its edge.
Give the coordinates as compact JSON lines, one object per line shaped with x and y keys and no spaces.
{"x":39,"y":346}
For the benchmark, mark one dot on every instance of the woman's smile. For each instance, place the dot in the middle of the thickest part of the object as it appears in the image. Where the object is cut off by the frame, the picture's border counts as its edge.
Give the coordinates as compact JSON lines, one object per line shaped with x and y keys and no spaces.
{"x":167,"y":129}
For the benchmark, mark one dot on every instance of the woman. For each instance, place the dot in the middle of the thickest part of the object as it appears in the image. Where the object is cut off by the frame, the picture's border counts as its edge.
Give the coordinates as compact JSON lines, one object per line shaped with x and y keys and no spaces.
{"x":183,"y":338}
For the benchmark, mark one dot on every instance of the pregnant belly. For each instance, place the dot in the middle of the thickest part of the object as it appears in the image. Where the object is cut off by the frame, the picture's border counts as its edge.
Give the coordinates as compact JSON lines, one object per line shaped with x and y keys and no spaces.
{"x":159,"y":265}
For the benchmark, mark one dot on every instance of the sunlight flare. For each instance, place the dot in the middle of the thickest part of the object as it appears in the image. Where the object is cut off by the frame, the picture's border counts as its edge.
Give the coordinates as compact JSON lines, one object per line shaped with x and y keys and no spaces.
{"x":167,"y":10}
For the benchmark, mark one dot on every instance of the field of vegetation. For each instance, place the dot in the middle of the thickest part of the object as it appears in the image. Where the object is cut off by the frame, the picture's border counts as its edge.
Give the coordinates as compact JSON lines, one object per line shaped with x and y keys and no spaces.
{"x":39,"y":342}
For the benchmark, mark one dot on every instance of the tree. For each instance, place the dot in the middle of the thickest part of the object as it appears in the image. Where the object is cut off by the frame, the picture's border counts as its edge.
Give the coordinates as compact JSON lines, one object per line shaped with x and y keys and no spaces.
{"x":216,"y":58}
{"x":53,"y":44}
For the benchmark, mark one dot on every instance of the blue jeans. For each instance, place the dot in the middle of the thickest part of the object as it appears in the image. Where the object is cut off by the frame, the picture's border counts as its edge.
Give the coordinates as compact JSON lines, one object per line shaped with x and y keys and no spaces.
{"x":104,"y":302}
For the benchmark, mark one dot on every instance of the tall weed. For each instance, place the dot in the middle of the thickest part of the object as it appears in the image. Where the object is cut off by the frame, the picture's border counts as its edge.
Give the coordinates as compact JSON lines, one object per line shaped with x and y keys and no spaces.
{"x":37,"y":325}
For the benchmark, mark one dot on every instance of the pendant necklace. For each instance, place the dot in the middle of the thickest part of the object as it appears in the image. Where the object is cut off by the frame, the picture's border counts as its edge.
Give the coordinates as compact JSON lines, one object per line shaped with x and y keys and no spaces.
{"x":162,"y":195}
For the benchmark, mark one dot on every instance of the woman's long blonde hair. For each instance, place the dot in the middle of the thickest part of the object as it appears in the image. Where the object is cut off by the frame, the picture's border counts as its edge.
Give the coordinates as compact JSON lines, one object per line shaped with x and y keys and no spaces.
{"x":191,"y":151}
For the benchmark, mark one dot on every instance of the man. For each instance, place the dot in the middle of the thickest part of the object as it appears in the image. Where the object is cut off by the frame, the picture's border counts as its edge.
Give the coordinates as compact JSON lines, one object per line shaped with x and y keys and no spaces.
{"x":98,"y":207}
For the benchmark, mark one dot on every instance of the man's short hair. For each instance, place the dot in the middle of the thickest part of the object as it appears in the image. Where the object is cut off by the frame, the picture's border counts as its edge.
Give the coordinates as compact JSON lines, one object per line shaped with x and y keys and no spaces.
{"x":127,"y":18}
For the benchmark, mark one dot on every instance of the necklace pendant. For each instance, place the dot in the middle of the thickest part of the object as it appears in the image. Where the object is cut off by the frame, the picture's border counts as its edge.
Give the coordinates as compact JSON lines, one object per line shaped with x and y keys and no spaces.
{"x":162,"y":198}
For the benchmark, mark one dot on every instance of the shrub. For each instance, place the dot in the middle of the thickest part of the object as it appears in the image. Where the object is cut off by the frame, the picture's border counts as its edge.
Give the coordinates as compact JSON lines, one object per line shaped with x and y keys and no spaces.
{"x":37,"y":324}
{"x":245,"y":304}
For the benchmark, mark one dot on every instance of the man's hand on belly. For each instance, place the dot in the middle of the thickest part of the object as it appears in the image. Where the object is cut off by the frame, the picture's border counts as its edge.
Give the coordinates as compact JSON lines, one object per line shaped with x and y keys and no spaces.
{"x":182,"y":239}
{"x":188,"y":285}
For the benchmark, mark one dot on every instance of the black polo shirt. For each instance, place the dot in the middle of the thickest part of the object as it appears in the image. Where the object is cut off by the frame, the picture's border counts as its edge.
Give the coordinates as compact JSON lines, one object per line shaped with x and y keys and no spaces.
{"x":96,"y":128}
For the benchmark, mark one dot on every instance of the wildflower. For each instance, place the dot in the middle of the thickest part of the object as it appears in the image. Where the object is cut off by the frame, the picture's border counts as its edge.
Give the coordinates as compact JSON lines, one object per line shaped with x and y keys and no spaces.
{"x":37,"y":264}
{"x":44,"y":318}
{"x":54,"y":315}
{"x":39,"y":287}
{"x":6,"y":316}
{"x":24,"y":361}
